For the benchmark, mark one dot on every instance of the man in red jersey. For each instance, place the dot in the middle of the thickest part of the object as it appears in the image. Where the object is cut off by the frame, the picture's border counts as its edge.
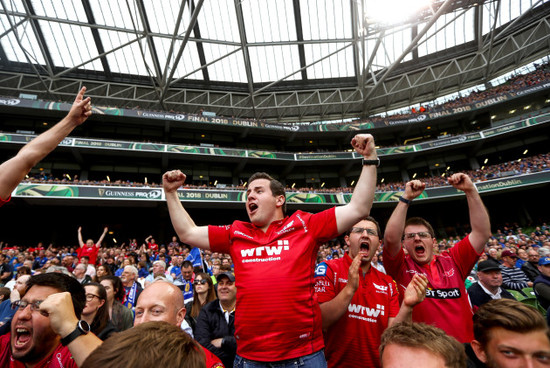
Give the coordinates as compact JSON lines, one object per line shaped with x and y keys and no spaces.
{"x":43,"y":333}
{"x":446,"y":305}
{"x":279,"y":319}
{"x":15,"y":169}
{"x":358,"y":302}
{"x":90,"y":249}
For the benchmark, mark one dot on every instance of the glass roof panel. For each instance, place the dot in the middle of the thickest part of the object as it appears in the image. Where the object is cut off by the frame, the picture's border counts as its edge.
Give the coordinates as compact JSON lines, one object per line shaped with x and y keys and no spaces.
{"x":65,"y":44}
{"x":15,"y":6}
{"x":326,"y":19}
{"x":272,"y":63}
{"x":68,"y":9}
{"x":449,"y":30}
{"x":189,"y":62}
{"x":339,"y":65}
{"x":269,"y":21}
{"x":25,"y":35}
{"x":390,"y":49}
{"x":117,"y":13}
{"x":127,"y":59}
{"x":230,"y":68}
{"x":162,"y":15}
{"x":218,"y":21}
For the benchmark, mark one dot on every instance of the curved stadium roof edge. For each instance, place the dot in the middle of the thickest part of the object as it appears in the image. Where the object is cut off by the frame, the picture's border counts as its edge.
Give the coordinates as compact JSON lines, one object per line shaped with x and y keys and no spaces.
{"x":280,"y":64}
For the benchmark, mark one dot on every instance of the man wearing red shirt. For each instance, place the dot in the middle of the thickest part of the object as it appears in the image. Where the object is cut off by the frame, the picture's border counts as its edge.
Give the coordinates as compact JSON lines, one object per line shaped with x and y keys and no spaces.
{"x":446,"y":305}
{"x":279,"y":319}
{"x":151,"y":244}
{"x":15,"y":169}
{"x":40,"y":323}
{"x":89,"y":248}
{"x":358,"y":302}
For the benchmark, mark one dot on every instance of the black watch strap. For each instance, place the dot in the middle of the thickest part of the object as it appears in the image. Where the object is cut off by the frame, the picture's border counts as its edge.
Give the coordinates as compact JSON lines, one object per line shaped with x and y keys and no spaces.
{"x":405,"y":200}
{"x":82,"y":328}
{"x":375,"y":162}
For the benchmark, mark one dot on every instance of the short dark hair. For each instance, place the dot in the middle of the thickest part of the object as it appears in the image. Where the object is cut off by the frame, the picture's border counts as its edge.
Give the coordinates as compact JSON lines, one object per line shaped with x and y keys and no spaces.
{"x":275,"y":185}
{"x":420,"y":221}
{"x":508,"y":314}
{"x":371,"y":219}
{"x":62,"y":283}
{"x":186,"y":264}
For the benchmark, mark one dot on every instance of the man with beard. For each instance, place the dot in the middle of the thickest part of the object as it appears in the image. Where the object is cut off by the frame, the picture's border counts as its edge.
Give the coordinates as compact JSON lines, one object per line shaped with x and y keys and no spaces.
{"x":530,"y":268}
{"x":358,"y":302}
{"x":446,"y":305}
{"x":510,"y":334}
{"x":274,"y":247}
{"x":43,"y":332}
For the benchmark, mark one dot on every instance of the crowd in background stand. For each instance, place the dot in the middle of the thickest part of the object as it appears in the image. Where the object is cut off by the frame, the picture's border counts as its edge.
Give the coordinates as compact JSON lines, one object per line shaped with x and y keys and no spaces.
{"x":526,"y":165}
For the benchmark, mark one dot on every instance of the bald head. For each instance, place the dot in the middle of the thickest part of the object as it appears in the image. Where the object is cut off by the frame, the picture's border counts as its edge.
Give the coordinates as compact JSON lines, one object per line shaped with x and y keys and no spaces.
{"x":21,"y":284}
{"x":160,"y":301}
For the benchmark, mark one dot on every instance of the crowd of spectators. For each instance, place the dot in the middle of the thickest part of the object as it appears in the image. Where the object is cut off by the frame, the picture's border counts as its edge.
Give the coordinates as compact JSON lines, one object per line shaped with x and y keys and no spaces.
{"x":526,"y":165}
{"x":176,"y":259}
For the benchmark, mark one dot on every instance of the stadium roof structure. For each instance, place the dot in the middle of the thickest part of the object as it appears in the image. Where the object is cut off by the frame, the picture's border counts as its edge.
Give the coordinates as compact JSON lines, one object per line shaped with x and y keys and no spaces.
{"x":284,"y":60}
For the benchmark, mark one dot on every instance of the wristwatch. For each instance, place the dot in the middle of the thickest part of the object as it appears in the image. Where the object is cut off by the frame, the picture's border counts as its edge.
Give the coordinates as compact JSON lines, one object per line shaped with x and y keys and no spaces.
{"x":82,"y":328}
{"x":375,"y":162}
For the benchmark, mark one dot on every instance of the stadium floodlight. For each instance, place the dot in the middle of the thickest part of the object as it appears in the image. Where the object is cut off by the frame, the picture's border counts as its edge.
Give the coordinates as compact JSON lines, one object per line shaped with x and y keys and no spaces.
{"x":392,"y":12}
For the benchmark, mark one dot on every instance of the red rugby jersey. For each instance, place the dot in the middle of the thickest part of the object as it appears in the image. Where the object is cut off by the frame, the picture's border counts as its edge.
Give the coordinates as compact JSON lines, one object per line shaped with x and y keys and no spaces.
{"x":60,"y":358}
{"x":277,"y":315}
{"x":447,"y":305}
{"x":3,"y":202}
{"x":91,"y":252}
{"x":353,"y":340}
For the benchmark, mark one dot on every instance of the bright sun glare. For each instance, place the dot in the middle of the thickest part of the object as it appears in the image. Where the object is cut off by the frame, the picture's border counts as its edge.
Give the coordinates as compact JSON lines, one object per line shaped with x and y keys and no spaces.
{"x":393,"y":11}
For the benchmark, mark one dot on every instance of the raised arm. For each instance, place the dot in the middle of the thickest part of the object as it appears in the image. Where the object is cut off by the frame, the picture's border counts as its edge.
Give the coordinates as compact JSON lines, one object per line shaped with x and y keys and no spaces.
{"x":105,"y":229}
{"x":414,"y":294}
{"x":396,"y":223}
{"x":479,"y":217}
{"x":335,"y":308}
{"x":15,"y":169}
{"x":363,"y":194}
{"x":80,"y":241}
{"x":184,"y":225}
{"x":59,"y":308}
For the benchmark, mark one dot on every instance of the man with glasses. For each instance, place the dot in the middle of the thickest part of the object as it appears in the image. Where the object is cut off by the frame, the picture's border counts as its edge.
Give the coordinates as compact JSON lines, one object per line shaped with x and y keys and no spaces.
{"x":358,"y":302}
{"x":45,"y":330}
{"x":446,"y":305}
